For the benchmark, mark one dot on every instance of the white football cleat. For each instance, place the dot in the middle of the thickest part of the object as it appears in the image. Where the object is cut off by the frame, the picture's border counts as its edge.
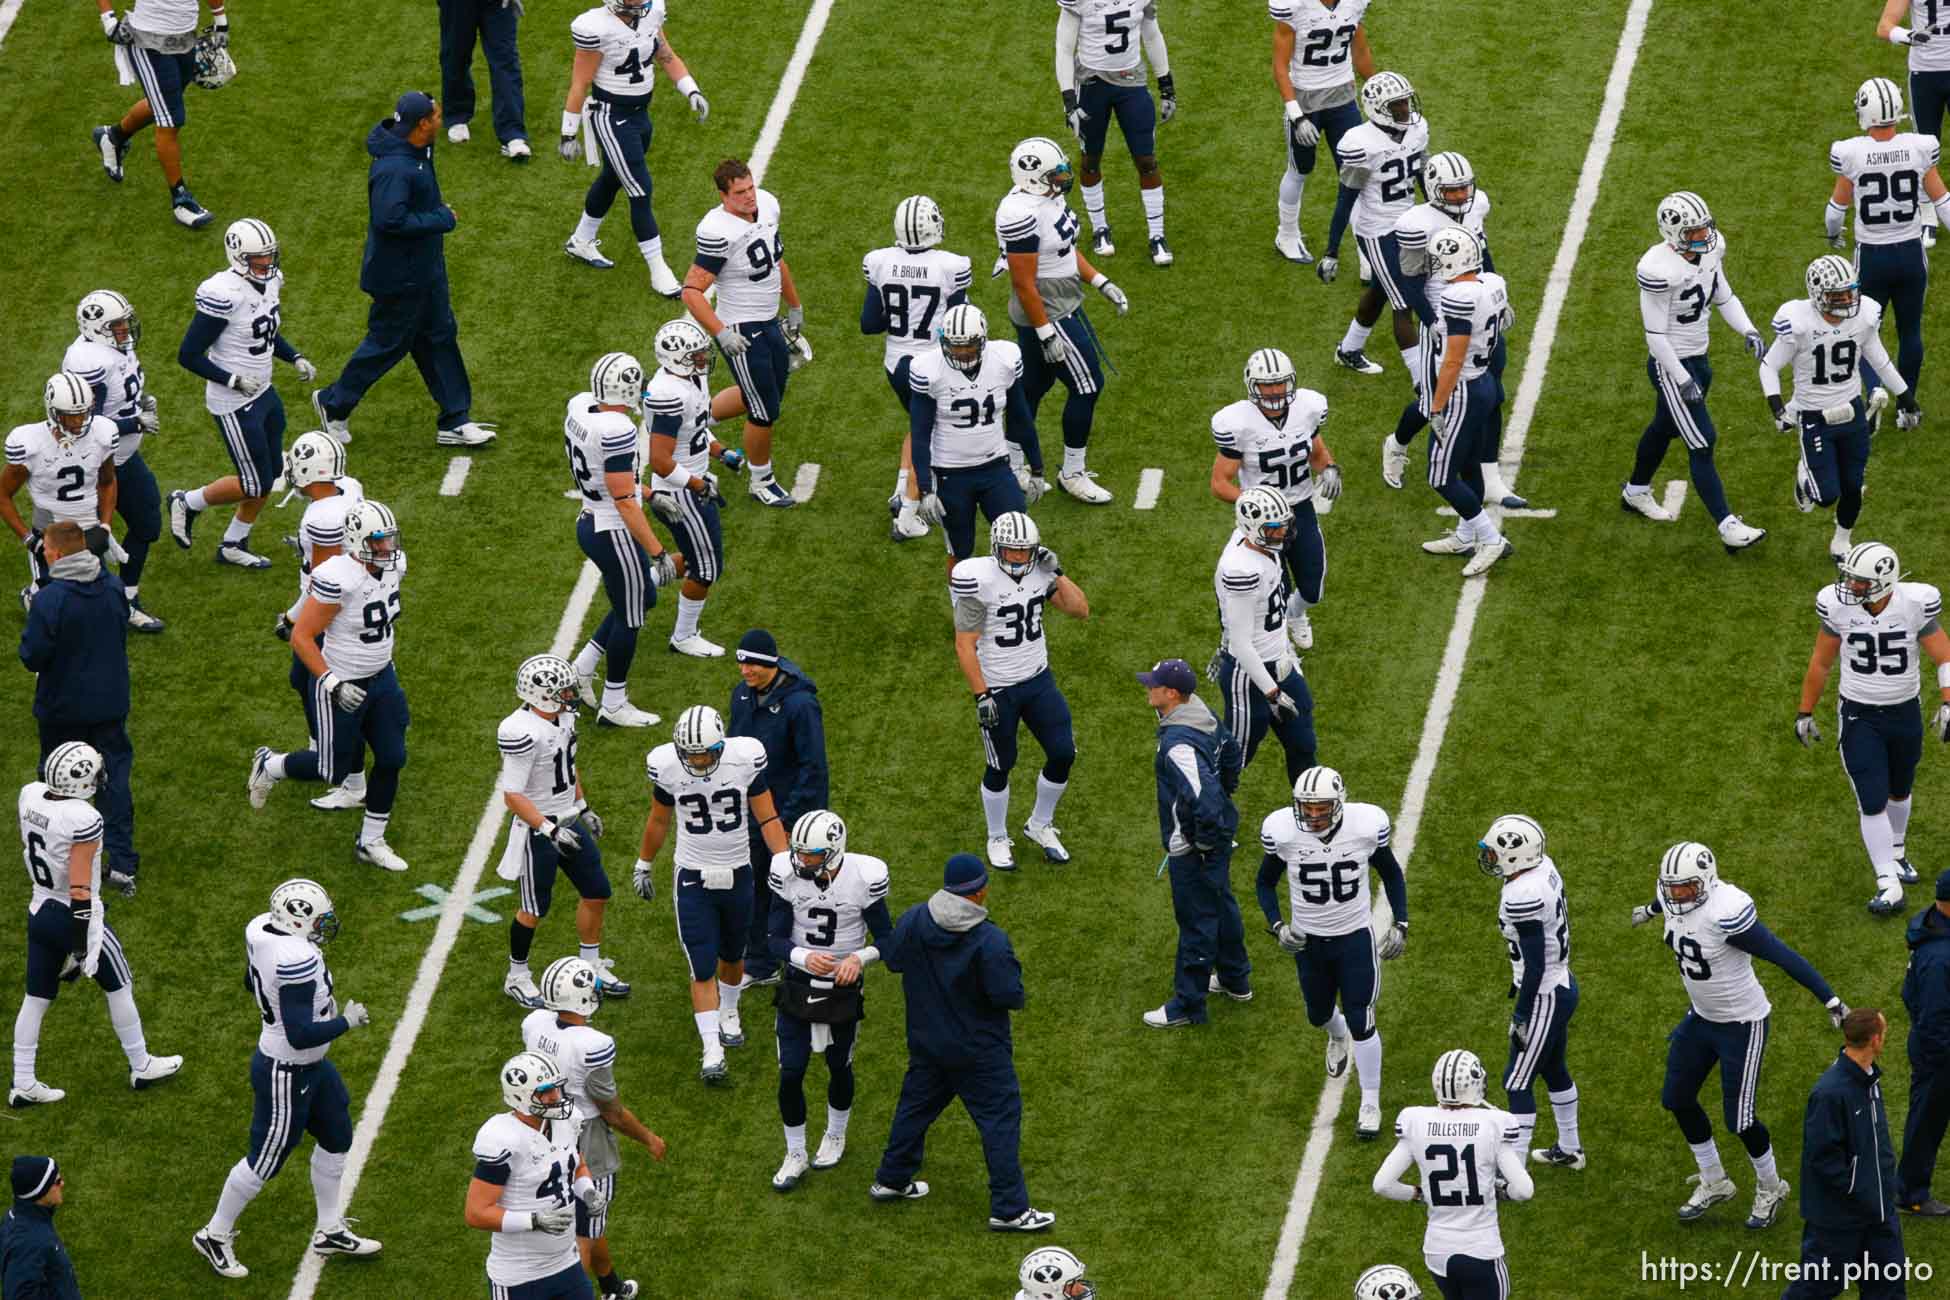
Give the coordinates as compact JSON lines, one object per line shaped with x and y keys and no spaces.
{"x":158,"y":1069}
{"x":1100,"y":243}
{"x":791,"y":1172}
{"x":1839,"y":545}
{"x":1162,"y":1018}
{"x":241,"y":555}
{"x":589,"y":252}
{"x":469,"y":434}
{"x":341,"y":797}
{"x":714,"y":1071}
{"x":219,"y":1249}
{"x":586,"y":689}
{"x":34,"y":1094}
{"x":1293,"y":247}
{"x":141,"y":620}
{"x":261,"y":781}
{"x":1338,"y":1051}
{"x":1394,"y":461}
{"x":1644,"y":503}
{"x":1358,"y":361}
{"x":522,"y":989}
{"x":111,"y":152}
{"x":831,"y":1148}
{"x":908,"y":527}
{"x":1030,"y":1220}
{"x":697,"y":648}
{"x":625,"y":714}
{"x":731,"y":1029}
{"x":1736,"y":534}
{"x":1084,"y":487}
{"x":336,"y":428}
{"x":1705,"y":1196}
{"x":1160,"y":251}
{"x":1557,"y":1157}
{"x":1806,"y":494}
{"x":1300,"y":630}
{"x":1889,"y":896}
{"x":1002,"y":854}
{"x":1451,"y":543}
{"x":379,"y":854}
{"x":459,"y":134}
{"x":1767,"y":1204}
{"x":914,"y":1191}
{"x":343,"y":1241}
{"x":663,"y":281}
{"x":768,"y":491}
{"x":1367,"y":1124}
{"x":517,"y":150}
{"x":1053,"y":850}
{"x":1485,"y":556}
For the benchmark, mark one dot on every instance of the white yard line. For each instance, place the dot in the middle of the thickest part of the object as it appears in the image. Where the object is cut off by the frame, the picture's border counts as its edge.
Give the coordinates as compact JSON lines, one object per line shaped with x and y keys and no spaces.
{"x":372,"y":1114}
{"x":1675,"y":496}
{"x":805,"y":482}
{"x":1150,"y":483}
{"x":456,"y":478}
{"x":1499,"y":513}
{"x":9,"y":11}
{"x":1455,"y":653}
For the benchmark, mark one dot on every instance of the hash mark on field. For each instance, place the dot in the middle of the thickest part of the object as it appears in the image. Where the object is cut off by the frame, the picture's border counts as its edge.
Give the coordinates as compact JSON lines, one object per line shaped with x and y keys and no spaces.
{"x":1675,"y":496}
{"x":1150,"y":483}
{"x":805,"y":482}
{"x":456,"y":479}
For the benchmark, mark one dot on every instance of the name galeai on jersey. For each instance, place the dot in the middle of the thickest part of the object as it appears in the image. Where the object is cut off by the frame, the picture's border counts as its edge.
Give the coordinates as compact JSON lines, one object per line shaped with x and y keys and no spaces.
{"x":1045,"y":226}
{"x":1327,"y":875}
{"x":597,"y":442}
{"x":580,"y":1050}
{"x":970,"y":411}
{"x":745,"y":256}
{"x":164,"y":17}
{"x":538,"y":759}
{"x":1389,"y":169}
{"x":1423,"y":222}
{"x":1249,"y":576}
{"x":712,"y":813}
{"x":535,"y":1170}
{"x":1719,"y":977}
{"x":49,"y":830}
{"x":1455,"y":1150}
{"x":359,"y":638}
{"x":1273,"y":455}
{"x":1475,"y":307}
{"x":1538,"y":895}
{"x":63,"y":478}
{"x":323,"y":527}
{"x":1888,"y":179}
{"x":1882,"y":653}
{"x":250,"y":313}
{"x":274,"y":962}
{"x":1829,"y":356}
{"x":832,"y":919}
{"x":116,"y":377}
{"x":1932,"y":16}
{"x":914,"y":289}
{"x":1323,"y":38}
{"x":628,"y":67}
{"x":1675,"y":293}
{"x":679,"y":406}
{"x":1011,"y":648}
{"x":1108,"y":37}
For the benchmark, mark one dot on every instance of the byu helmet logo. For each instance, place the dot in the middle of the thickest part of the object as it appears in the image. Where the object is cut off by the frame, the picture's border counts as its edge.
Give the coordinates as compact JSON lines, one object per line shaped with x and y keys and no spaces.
{"x":515,"y":1076}
{"x":1047,"y":1273}
{"x":299,"y":907}
{"x":1032,"y":161}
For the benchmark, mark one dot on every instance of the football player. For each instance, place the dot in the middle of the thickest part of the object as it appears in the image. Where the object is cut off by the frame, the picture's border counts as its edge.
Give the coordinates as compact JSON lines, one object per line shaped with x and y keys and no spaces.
{"x":296,"y":1090}
{"x":67,"y":464}
{"x":1470,"y":1158}
{"x":1880,"y":174}
{"x":1380,"y":164}
{"x":1094,"y":43}
{"x":1928,"y":39}
{"x":826,"y":903}
{"x":231,"y":341}
{"x":1387,"y":1282}
{"x":344,"y":637}
{"x":606,"y":461}
{"x":1715,"y":934}
{"x":1679,"y":278}
{"x":1464,"y":400}
{"x":1272,"y":437}
{"x":685,"y":495}
{"x":739,"y":250}
{"x":530,"y":1185}
{"x":909,"y":285}
{"x":1319,"y":47}
{"x":68,"y":934}
{"x":1325,"y":847}
{"x":1831,"y":339}
{"x":103,"y":354}
{"x":1047,"y":272}
{"x":571,"y":993}
{"x":1888,"y":624}
{"x":616,"y":43}
{"x":156,"y":42}
{"x":967,"y":405}
{"x":713,"y":790}
{"x":1053,"y":1273}
{"x":1261,"y":678}
{"x":552,"y":824}
{"x":1535,"y":921}
{"x":999,"y":599}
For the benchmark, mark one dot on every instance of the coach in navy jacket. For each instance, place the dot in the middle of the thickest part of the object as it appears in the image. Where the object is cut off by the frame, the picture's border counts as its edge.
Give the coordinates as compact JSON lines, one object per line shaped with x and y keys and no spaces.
{"x":1848,"y":1170}
{"x":34,"y":1265}
{"x":1926,"y":994}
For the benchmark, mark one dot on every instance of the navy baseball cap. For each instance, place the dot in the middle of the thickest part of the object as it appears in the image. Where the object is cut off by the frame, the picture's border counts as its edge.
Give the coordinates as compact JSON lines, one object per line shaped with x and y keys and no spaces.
{"x":964,"y":875}
{"x":1175,"y":674}
{"x":411,"y":108}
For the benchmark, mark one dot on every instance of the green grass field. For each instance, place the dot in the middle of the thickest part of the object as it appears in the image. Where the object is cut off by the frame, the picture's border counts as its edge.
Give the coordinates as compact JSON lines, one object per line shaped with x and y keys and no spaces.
{"x":1629,"y":685}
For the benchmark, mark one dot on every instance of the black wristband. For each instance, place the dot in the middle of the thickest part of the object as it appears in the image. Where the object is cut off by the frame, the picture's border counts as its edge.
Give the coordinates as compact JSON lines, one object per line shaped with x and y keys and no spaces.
{"x":1069,"y":102}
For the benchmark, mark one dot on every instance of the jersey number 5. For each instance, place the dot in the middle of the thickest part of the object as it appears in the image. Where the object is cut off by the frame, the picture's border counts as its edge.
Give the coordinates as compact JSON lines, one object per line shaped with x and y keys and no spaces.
{"x":1321,"y":882}
{"x":1887,"y":653}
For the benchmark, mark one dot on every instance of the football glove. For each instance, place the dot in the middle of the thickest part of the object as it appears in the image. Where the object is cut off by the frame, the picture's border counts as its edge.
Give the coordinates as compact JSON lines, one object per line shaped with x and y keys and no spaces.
{"x":283,"y":630}
{"x":1046,"y":562}
{"x":987,"y":712}
{"x":591,"y":1196}
{"x":1689,"y":392}
{"x":1073,"y":114}
{"x":1327,"y":268}
{"x":1642,"y":913}
{"x":1291,"y":940}
{"x":1838,"y":242}
{"x":1907,"y":405}
{"x":711,"y":492}
{"x":1168,"y":98}
{"x":795,"y":320}
{"x":117,"y":29}
{"x":564,"y":836}
{"x":147,"y":418}
{"x":114,"y":549}
{"x":732,"y":343}
{"x":1300,"y":128}
{"x":356,"y":1015}
{"x":1756,"y":345}
{"x":1784,"y":422}
{"x":306,"y":370}
{"x":1942,"y":722}
{"x":590,"y":821}
{"x":70,"y":968}
{"x":1284,"y":706}
{"x":345,"y":696}
{"x":1051,"y":340}
{"x":1520,"y":1031}
{"x":1116,"y":297}
{"x":644,"y":881}
{"x":570,"y":147}
{"x":1911,"y":37}
{"x":1805,"y":730}
{"x":664,"y":506}
{"x":732,"y":459}
{"x":244,"y":384}
{"x":97,"y":538}
{"x":699,"y":105}
{"x":931,"y":510}
{"x":220,"y":29}
{"x":1328,"y":483}
{"x":554,"y":1221}
{"x":1394,"y":941}
{"x":663,"y":569}
{"x":1033,"y":490}
{"x":1837,"y":1011}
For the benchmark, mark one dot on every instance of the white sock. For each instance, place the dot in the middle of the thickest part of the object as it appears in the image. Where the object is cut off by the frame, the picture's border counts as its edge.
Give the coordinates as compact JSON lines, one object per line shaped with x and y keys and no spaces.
{"x":588,"y":227}
{"x":707,"y":1026}
{"x":1289,"y":219}
{"x":688,"y":613}
{"x":1367,"y":1066}
{"x":240,"y":1188}
{"x":728,"y":999}
{"x":995,"y":810}
{"x":1707,"y":1156}
{"x":238,"y":531}
{"x":836,"y":1122}
{"x":327,"y":1171}
{"x":372,"y":828}
{"x":27,"y":1037}
{"x":1093,"y":204}
{"x":1879,"y":838}
{"x":1494,"y":488}
{"x":1898,"y":812}
{"x":128,"y":1026}
{"x":614,"y":695}
{"x":354,"y":784}
{"x":1337,"y":1026}
{"x":1293,"y":189}
{"x":1764,"y":1168}
{"x":1526,"y":1130}
{"x":1638,"y":489}
{"x":1412,"y":359}
{"x":900,"y":484}
{"x":1564,"y":1105}
{"x":1487,"y":533}
{"x":275,"y":765}
{"x":591,"y":952}
{"x":132,"y":593}
{"x":1073,"y":459}
{"x":587,"y":657}
{"x":1047,"y":793}
{"x":1842,"y":541}
{"x":197,"y":499}
{"x":795,"y":1139}
{"x":1356,"y":337}
{"x":519,"y":968}
{"x":1154,"y":211}
{"x":652,"y":249}
{"x":758,"y":472}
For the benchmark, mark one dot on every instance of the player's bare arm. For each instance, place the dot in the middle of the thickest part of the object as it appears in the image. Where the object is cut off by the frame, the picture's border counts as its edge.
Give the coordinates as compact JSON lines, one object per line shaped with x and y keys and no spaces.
{"x":1453,"y":352}
{"x":1282,"y":60}
{"x":787,"y":289}
{"x":11,"y":479}
{"x":696,"y":281}
{"x":1820,"y":664}
{"x":1069,"y":598}
{"x":971,"y":667}
{"x":655,"y":831}
{"x":1225,"y":477}
{"x":312,"y":618}
{"x":1364,"y":65}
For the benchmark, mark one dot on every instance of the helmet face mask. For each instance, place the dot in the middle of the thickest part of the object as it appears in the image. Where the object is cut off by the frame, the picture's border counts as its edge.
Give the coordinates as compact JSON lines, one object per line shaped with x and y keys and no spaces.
{"x":699,"y":739}
{"x":1040,"y":167}
{"x":69,"y":403}
{"x":1319,"y":800}
{"x":1264,"y":516}
{"x":252,"y":250}
{"x":1390,"y":102}
{"x":630,"y":11}
{"x":372,"y":536}
{"x":964,"y":337}
{"x":1053,"y":1273}
{"x":1270,"y":383}
{"x":1833,"y":288}
{"x":1451,"y":183}
{"x":1686,"y":224}
{"x":1687,"y":875}
{"x":1512,"y":844}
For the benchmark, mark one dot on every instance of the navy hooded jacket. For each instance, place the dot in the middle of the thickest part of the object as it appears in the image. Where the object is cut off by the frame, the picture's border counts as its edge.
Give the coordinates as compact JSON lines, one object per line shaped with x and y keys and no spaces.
{"x":1926,"y":988}
{"x":787,"y":721}
{"x":403,"y":253}
{"x":960,"y":977}
{"x":1197,"y":769}
{"x":76,"y":638}
{"x":34,"y":1265}
{"x":1848,"y":1163}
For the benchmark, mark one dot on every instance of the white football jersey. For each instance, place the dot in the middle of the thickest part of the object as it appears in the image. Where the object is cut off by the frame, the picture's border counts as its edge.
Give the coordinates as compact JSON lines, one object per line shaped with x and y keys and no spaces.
{"x":1538,"y":895}
{"x":63,"y":478}
{"x":1245,"y":573}
{"x":119,"y":375}
{"x":628,"y":69}
{"x":359,"y":638}
{"x":713,"y":813}
{"x":1273,"y":455}
{"x":1932,"y":16}
{"x":593,"y":438}
{"x":536,"y":1169}
{"x":1455,"y":1150}
{"x":833,"y":919}
{"x":1478,"y":306}
{"x":1829,"y":357}
{"x":323,"y":525}
{"x":970,"y":411}
{"x":1423,"y":222}
{"x":164,"y":17}
{"x":1393,"y":167}
{"x":914,"y":289}
{"x":1882,"y":653}
{"x":1108,"y":37}
{"x":49,"y":830}
{"x":272,"y":961}
{"x":1012,"y":648}
{"x":1674,"y":293}
{"x":579,"y":1049}
{"x":1050,"y":226}
{"x":1323,"y":36}
{"x":1327,"y":876}
{"x":1719,"y":977}
{"x":538,"y":759}
{"x":1888,"y":180}
{"x":680,"y":406}
{"x":745,"y":256}
{"x":251,"y":313}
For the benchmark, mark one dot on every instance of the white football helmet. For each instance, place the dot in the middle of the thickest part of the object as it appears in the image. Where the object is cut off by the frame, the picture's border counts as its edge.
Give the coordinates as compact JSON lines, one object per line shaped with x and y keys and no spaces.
{"x":547,"y":682}
{"x":1687,"y":875}
{"x":314,"y":458}
{"x":1833,"y":287}
{"x":1513,"y":843}
{"x":1390,"y":101}
{"x":1014,"y":531}
{"x":818,"y":845}
{"x":1454,"y":253}
{"x":1387,"y":1282}
{"x":1270,"y":382}
{"x":699,"y":737}
{"x":532,"y":1084}
{"x":1450,"y":183}
{"x":964,"y":335}
{"x":1869,"y":573}
{"x":1053,"y":1273}
{"x":251,"y":249}
{"x":73,"y":770}
{"x":1264,"y":515}
{"x":918,"y":223}
{"x":1320,"y":788}
{"x":628,"y":10}
{"x":372,"y":535}
{"x":1039,"y":166}
{"x":569,"y":984}
{"x":617,"y":380}
{"x":303,"y":908}
{"x":1459,"y":1078}
{"x":69,"y":401}
{"x":684,"y":349}
{"x":1879,"y":102}
{"x":1686,"y":224}
{"x":214,"y":67}
{"x":98,"y":315}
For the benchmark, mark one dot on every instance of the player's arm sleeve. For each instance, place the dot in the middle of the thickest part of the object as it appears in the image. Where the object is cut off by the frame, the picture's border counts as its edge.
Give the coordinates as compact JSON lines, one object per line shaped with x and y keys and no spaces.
{"x":880,"y":922}
{"x":1653,"y":312}
{"x":294,"y":1012}
{"x":1001,"y":973}
{"x":964,"y":277}
{"x":1343,"y":209}
{"x":1530,"y":942}
{"x":517,"y":761}
{"x":1241,"y":610}
{"x":1731,"y":310}
{"x":808,"y":732}
{"x":1779,"y":353}
{"x":873,"y":312}
{"x":1518,"y":1184}
{"x":198,"y":339}
{"x":1758,"y":941}
{"x":284,"y":349}
{"x":1068,"y":26}
{"x":1393,"y":883}
{"x":920,"y":423}
{"x":1388,"y":1179}
{"x":393,"y":212}
{"x":1878,"y":356}
{"x":1266,"y":885}
{"x":712,"y":250}
{"x":493,"y":1168}
{"x":1154,"y":42}
{"x":778,"y":929}
{"x":1019,"y":426}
